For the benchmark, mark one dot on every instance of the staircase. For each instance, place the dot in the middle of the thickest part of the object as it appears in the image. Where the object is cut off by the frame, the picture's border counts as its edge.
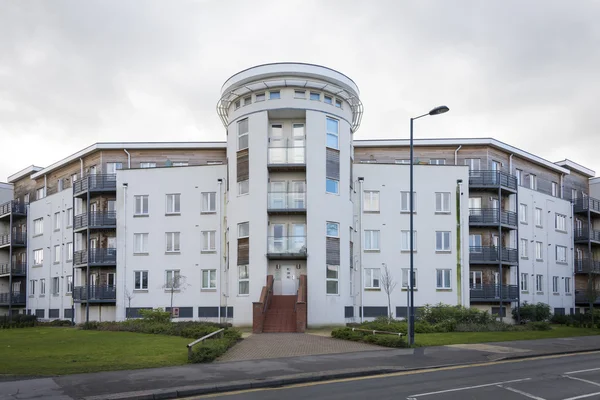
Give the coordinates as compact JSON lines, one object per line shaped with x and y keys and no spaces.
{"x":281,"y":315}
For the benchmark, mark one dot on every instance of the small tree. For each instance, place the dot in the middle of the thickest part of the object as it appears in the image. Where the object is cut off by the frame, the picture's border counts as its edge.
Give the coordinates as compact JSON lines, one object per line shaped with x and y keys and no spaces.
{"x":128,"y":296}
{"x":388,"y":284}
{"x":175,"y":283}
{"x":592,"y":293}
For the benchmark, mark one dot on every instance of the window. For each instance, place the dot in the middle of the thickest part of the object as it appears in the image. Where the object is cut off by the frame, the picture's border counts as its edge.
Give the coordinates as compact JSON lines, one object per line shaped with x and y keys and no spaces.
{"x":402,"y":161}
{"x":328,"y":99}
{"x":405,"y":241}
{"x":260,"y":97}
{"x":180,"y":163}
{"x":237,"y":104}
{"x":214,"y":162}
{"x":573,"y":194}
{"x":69,"y":283}
{"x":140,"y":279}
{"x":475,"y":243}
{"x":208,"y":240}
{"x":147,"y":165}
{"x":242,"y":129}
{"x":555,"y":284}
{"x":243,"y":230}
{"x":442,"y":202}
{"x":519,"y":176}
{"x":371,"y":240}
{"x":538,"y":217}
{"x":113,"y":167}
{"x":332,"y":186}
{"x":300,"y":94}
{"x":31,"y":287}
{"x":140,"y":243}
{"x":69,"y":251}
{"x":315,"y":96}
{"x":405,"y":274}
{"x":442,"y":241}
{"x":243,"y":280}
{"x":332,"y":279}
{"x":372,"y":278}
{"x":209,"y":202}
{"x":561,"y":254}
{"x":437,"y":161}
{"x":567,"y":285}
{"x":274,"y":95}
{"x":371,"y":201}
{"x":173,"y":204}
{"x":56,"y":221}
{"x":523,"y":247}
{"x":539,"y":283}
{"x":69,"y":217}
{"x":26,"y":198}
{"x":524,"y":282}
{"x":532,"y":181}
{"x":523,"y":213}
{"x":173,"y":242}
{"x":554,"y":189}
{"x":443,"y":279}
{"x":38,"y":257}
{"x":38,"y":226}
{"x":247,"y":100}
{"x":243,"y":187}
{"x":39,"y":193}
{"x":42,"y":287}
{"x":55,"y":285}
{"x":473,"y":163}
{"x":173,"y":279}
{"x":538,"y":251}
{"x":141,"y":205}
{"x":57,"y":253}
{"x":209,"y":279}
{"x":333,"y":133}
{"x":338,"y":103}
{"x":561,"y":222}
{"x":405,"y":202}
{"x":333,"y":229}
{"x":476,"y":279}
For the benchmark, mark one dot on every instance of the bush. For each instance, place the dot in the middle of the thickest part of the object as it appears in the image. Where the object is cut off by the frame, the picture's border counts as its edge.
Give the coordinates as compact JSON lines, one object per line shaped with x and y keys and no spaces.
{"x":539,"y":326}
{"x":210,"y":349}
{"x":533,"y":312}
{"x":560,"y":319}
{"x":156,"y":315}
{"x":458,"y":314}
{"x":18,"y":321}
{"x":366,"y":337}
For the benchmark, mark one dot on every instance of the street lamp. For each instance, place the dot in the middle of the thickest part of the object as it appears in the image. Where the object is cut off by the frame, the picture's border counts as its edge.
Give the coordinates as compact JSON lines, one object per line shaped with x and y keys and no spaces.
{"x":411,"y":316}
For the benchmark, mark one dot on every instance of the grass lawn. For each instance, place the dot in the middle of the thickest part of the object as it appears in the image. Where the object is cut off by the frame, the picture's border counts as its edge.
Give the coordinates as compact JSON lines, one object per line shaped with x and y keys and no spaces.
{"x":59,"y":351}
{"x":441,"y":339}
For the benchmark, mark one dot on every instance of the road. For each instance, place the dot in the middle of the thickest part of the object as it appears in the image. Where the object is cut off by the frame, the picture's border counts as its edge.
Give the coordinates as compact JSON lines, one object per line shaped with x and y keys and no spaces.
{"x":567,"y":377}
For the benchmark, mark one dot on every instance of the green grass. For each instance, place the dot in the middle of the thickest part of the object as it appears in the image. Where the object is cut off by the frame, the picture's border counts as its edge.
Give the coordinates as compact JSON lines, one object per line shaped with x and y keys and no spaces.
{"x":442,"y":339}
{"x":59,"y":351}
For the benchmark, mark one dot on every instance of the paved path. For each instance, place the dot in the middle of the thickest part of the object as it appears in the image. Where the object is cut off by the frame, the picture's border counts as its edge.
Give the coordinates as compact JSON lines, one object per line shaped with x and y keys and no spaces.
{"x":280,"y":345}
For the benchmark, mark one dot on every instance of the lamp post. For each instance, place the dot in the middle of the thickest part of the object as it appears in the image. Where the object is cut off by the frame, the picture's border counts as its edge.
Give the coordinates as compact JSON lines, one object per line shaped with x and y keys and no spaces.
{"x":411,"y":316}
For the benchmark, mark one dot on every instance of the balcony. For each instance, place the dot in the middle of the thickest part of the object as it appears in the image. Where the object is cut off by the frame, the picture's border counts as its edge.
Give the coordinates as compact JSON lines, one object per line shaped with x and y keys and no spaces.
{"x":492,"y":180}
{"x":587,"y":266}
{"x":95,"y":294}
{"x":95,"y":183}
{"x":492,"y":217}
{"x":492,"y":255}
{"x":12,"y":207}
{"x":492,"y":293}
{"x":586,"y":204}
{"x":585,"y":234}
{"x":97,"y":257}
{"x":14,"y":268}
{"x":16,"y":239}
{"x":14,"y":298}
{"x":96,"y":220}
{"x":286,"y":247}
{"x":286,"y":158}
{"x":286,"y":202}
{"x":583,"y":299}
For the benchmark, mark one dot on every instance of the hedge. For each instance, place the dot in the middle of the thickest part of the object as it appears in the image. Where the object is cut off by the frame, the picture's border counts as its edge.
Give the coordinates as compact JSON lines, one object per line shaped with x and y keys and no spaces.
{"x":366,"y":337}
{"x":210,"y":349}
{"x":190,"y":329}
{"x":18,"y":321}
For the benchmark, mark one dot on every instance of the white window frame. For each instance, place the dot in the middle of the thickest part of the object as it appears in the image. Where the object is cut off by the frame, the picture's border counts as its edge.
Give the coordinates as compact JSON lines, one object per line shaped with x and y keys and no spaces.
{"x":331,"y":224}
{"x":372,"y":240}
{"x":140,"y":243}
{"x":338,"y":103}
{"x":332,"y":134}
{"x":524,"y":282}
{"x":444,"y":202}
{"x":175,"y":242}
{"x":446,"y":278}
{"x":563,"y":249}
{"x":330,"y":278}
{"x":274,"y":94}
{"x":210,"y":283}
{"x":241,"y":227}
{"x":247,"y":100}
{"x":171,"y":202}
{"x":554,"y":186}
{"x":328,"y":99}
{"x":237,"y":104}
{"x":405,"y":236}
{"x":56,"y":221}
{"x":173,"y":279}
{"x":539,"y":251}
{"x":532,"y":181}
{"x":141,"y":204}
{"x":140,"y":274}
{"x":69,"y":284}
{"x":42,"y":287}
{"x":555,"y":285}
{"x":69,"y":251}
{"x":560,"y":222}
{"x":437,"y":161}
{"x":523,"y":248}
{"x":472,"y":162}
{"x":38,"y":257}
{"x":337,"y":185}
{"x":405,"y":202}
{"x":40,"y":193}
{"x":69,"y":217}
{"x":371,"y":201}
{"x":260,"y":97}
{"x":519,"y":176}
{"x":539,"y":283}
{"x":523,"y":213}
{"x":443,"y":241}
{"x":300,"y":94}
{"x":313,"y":94}
{"x":56,"y":253}
{"x":243,"y":187}
{"x":38,"y":226}
{"x":181,"y":163}
{"x":539,"y":217}
{"x":113,"y":167}
{"x":402,"y":161}
{"x":147,"y":164}
{"x":55,"y":286}
{"x":404,"y":278}
{"x":567,"y":285}
{"x":209,"y":245}
{"x":372,"y":278}
{"x":243,"y":277}
{"x":207,"y":199}
{"x":241,"y":134}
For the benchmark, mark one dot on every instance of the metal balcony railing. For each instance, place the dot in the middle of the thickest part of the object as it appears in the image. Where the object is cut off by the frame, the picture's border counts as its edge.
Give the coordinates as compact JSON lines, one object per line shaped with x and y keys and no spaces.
{"x":287,"y":201}
{"x":492,"y":179}
{"x":16,"y":268}
{"x":14,"y":239}
{"x":95,"y":219}
{"x":97,"y":256}
{"x":95,"y":293}
{"x":587,"y":234}
{"x":286,"y":245}
{"x":96,"y":182}
{"x":286,"y":155}
{"x":492,"y":216}
{"x":586,"y":266}
{"x":582,"y":298}
{"x":12,"y":207}
{"x":493,"y":293}
{"x":585,"y":204}
{"x":12,"y":298}
{"x":492,"y":254}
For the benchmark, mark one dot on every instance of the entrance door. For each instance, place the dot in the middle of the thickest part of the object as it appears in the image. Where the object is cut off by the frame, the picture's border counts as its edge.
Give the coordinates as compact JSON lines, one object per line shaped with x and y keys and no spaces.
{"x":16,"y":287}
{"x":476,"y":279}
{"x":298,"y":143}
{"x":288,"y":280}
{"x":92,"y":251}
{"x":277,"y":148}
{"x":578,"y":260}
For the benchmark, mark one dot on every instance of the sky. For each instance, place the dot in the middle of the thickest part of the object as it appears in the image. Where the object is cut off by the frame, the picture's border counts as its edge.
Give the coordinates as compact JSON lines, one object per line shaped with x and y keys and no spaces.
{"x":73,"y":73}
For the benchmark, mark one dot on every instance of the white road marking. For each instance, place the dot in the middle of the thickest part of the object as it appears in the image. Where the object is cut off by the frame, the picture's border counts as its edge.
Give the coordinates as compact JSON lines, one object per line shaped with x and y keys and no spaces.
{"x":521,"y":392}
{"x":468,"y":388}
{"x":582,"y":371}
{"x":582,"y":380}
{"x":583,"y":396}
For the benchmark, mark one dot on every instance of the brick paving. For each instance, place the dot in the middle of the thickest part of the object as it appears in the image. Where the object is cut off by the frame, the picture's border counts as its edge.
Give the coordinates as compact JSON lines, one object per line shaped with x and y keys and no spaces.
{"x":279,"y":345}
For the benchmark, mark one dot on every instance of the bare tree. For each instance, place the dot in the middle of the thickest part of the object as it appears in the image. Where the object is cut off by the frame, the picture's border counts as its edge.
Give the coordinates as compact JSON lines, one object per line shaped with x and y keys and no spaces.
{"x":592,"y":293}
{"x":128,"y":296}
{"x":175,"y":283}
{"x":388,"y":284}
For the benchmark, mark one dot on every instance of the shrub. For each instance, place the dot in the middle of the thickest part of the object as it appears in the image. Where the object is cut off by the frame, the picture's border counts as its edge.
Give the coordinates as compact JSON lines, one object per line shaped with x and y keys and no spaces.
{"x":210,"y":349}
{"x":18,"y":321}
{"x":383,"y":324}
{"x":458,"y":314}
{"x":156,"y":315}
{"x":560,"y":319}
{"x":539,"y":326}
{"x":533,"y":312}
{"x":366,"y":337}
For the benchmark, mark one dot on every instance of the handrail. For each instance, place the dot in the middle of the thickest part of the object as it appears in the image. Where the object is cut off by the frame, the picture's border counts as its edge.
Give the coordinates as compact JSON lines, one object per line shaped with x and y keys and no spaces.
{"x":376,"y":332}
{"x":195,"y":342}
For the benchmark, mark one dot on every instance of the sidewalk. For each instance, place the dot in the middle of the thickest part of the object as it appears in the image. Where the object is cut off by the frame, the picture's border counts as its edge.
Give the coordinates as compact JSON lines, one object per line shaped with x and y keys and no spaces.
{"x":194,"y":379}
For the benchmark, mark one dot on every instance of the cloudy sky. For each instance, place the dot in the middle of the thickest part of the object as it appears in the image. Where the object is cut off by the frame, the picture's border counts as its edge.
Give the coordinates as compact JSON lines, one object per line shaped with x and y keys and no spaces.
{"x":76,"y":72}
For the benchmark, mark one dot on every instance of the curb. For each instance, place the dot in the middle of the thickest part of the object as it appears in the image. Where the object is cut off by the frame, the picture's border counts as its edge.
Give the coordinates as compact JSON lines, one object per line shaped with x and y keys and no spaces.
{"x":554,"y":353}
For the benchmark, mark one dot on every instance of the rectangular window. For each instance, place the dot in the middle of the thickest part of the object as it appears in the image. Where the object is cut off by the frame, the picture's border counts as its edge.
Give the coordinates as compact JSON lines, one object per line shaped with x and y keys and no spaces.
{"x":443,"y":278}
{"x":405,"y":241}
{"x":69,"y":283}
{"x":173,"y":242}
{"x":38,"y":226}
{"x":243,"y":280}
{"x":209,"y":279}
{"x":573,"y":194}
{"x":208,"y":240}
{"x":237,"y":104}
{"x":147,"y":165}
{"x":567,"y":285}
{"x":538,"y":217}
{"x":371,"y":240}
{"x":333,"y":229}
{"x":475,"y":243}
{"x":332,"y":186}
{"x":437,"y":161}
{"x":56,"y":221}
{"x":402,"y":161}
{"x":333,"y":133}
{"x":274,"y":95}
{"x":113,"y":167}
{"x":473,"y":163}
{"x":523,"y":213}
{"x":140,"y":243}
{"x":442,"y":202}
{"x":39,"y":193}
{"x":372,"y":278}
{"x":209,"y":202}
{"x":69,"y":251}
{"x":243,"y":230}
{"x":42,"y":287}
{"x":539,"y":283}
{"x":260,"y":97}
{"x":172,"y":279}
{"x":519,"y":176}
{"x":141,"y":205}
{"x":371,"y":203}
{"x":442,"y":241}
{"x":140,"y":279}
{"x":539,"y":252}
{"x":561,"y":222}
{"x":532,"y":181}
{"x":561,"y":254}
{"x":57,"y":253}
{"x":338,"y":103}
{"x":174,"y":203}
{"x":181,"y":163}
{"x":243,"y":187}
{"x":32,"y":287}
{"x":332,"y":279}
{"x":300,"y":94}
{"x":523,"y":247}
{"x":55,"y":285}
{"x":405,"y":274}
{"x":38,"y":257}
{"x":405,"y":201}
{"x":327,"y":99}
{"x":69,"y":217}
{"x":242,"y":130}
{"x":247,"y":100}
{"x":315,"y":96}
{"x":554,"y":189}
{"x":524,"y":282}
{"x":555,"y":284}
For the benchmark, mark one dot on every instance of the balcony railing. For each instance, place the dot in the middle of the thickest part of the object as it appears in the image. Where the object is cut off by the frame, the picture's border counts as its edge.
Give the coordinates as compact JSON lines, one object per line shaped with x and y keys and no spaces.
{"x":12,"y":207}
{"x":12,"y":298}
{"x":14,"y":239}
{"x":97,"y":256}
{"x":494,"y":293}
{"x":586,"y":266}
{"x":587,"y":234}
{"x":286,"y":156}
{"x":492,"y":254}
{"x":96,"y":293}
{"x":492,"y":216}
{"x":16,"y":268}
{"x":582,"y":298}
{"x":286,"y":246}
{"x":286,"y":201}
{"x":95,"y":219}
{"x":97,"y":182}
{"x":585,"y":204}
{"x":492,"y":179}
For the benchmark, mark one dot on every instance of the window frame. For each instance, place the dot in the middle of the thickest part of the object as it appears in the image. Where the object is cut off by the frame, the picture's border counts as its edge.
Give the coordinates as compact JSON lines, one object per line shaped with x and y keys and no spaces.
{"x":69,"y":217}
{"x":445,"y":279}
{"x":210,"y":272}
{"x":173,"y":202}
{"x":338,"y":103}
{"x":207,"y":198}
{"x":247,"y":100}
{"x":175,"y":241}
{"x":371,"y":197}
{"x":332,"y":223}
{"x":245,"y":279}
{"x":261,"y":96}
{"x":240,"y":225}
{"x":437,"y":161}
{"x":405,"y":197}
{"x":336,"y":182}
{"x":55,"y":286}
{"x":274,"y":94}
{"x":533,"y":181}
{"x":57,"y":255}
{"x":404,"y":281}
{"x":42,"y":287}
{"x":443,"y":248}
{"x":176,"y":275}
{"x":38,"y":226}
{"x":443,"y":202}
{"x":371,"y":278}
{"x":539,"y":255}
{"x":563,"y":218}
{"x":555,"y":285}
{"x":35,"y":259}
{"x":297,"y":92}
{"x":143,"y":242}
{"x":539,"y":283}
{"x":332,"y":268}
{"x":241,"y":184}
{"x":69,"y":251}
{"x":374,"y":236}
{"x":524,"y":248}
{"x":313,"y":94}
{"x":524,"y":283}
{"x":141,"y":274}
{"x":564,"y":250}
{"x":241,"y":135}
{"x":554,"y":186}
{"x":142,"y":198}
{"x":56,"y":222}
{"x":539,"y":217}
{"x":147,"y":164}
{"x":567,"y":285}
{"x":207,"y":235}
{"x":327,"y":99}
{"x":406,"y":233}
{"x":331,"y":134}
{"x":523,"y":213}
{"x":69,"y":284}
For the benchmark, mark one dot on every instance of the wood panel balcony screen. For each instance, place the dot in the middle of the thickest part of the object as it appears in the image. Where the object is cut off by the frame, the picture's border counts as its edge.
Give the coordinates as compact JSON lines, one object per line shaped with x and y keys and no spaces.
{"x":243,"y":252}
{"x":332,"y":164}
{"x":243,"y":171}
{"x":332,"y":251}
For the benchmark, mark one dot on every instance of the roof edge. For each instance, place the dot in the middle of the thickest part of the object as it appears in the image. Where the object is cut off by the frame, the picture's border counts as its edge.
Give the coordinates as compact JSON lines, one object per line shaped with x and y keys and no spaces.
{"x":23,"y":173}
{"x":577,"y":167}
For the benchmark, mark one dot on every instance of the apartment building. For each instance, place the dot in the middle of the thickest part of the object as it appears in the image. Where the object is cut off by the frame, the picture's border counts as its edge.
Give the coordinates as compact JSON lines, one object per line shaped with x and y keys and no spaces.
{"x":291,"y":221}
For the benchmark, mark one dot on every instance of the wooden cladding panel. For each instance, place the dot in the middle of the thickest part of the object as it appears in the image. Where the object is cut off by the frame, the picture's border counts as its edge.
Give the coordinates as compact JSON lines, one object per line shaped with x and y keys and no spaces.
{"x":243,"y":251}
{"x":332,"y":251}
{"x":332,"y":164}
{"x":243,"y":166}
{"x":23,"y":187}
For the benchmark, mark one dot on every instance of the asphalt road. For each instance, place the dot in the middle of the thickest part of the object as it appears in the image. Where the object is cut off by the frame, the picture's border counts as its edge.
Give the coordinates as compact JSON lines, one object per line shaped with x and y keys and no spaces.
{"x":571,"y":377}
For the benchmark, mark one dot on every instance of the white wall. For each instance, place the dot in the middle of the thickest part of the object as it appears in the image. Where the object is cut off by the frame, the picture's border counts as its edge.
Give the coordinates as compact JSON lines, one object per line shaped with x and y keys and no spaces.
{"x":6,"y":192}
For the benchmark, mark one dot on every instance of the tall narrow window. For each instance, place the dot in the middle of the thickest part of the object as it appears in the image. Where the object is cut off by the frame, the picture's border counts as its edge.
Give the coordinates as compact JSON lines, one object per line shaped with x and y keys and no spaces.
{"x":209,"y":279}
{"x":532,"y":182}
{"x":332,"y":279}
{"x":371,"y":203}
{"x":519,"y":176}
{"x":568,"y":285}
{"x":140,"y":279}
{"x":141,"y":205}
{"x":372,"y":278}
{"x":371,"y":240}
{"x":405,"y":201}
{"x":561,"y":222}
{"x":172,"y":279}
{"x":42,"y":287}
{"x":173,"y":242}
{"x":539,"y":283}
{"x":208,"y":241}
{"x":561,"y":254}
{"x":539,"y":251}
{"x":140,"y":243}
{"x":209,"y":202}
{"x":333,"y":133}
{"x":38,"y":226}
{"x":57,"y":221}
{"x":69,"y":217}
{"x":538,"y":217}
{"x":69,"y":251}
{"x":524,"y":281}
{"x":523,"y":213}
{"x":405,"y":240}
{"x":442,"y":241}
{"x":405,"y":280}
{"x":242,"y":128}
{"x":174,"y":203}
{"x":442,"y":202}
{"x":57,"y":253}
{"x":554,"y":189}
{"x":243,"y":280}
{"x":523,"y":247}
{"x":555,"y":284}
{"x":55,"y":285}
{"x":443,"y":278}
{"x":69,"y":283}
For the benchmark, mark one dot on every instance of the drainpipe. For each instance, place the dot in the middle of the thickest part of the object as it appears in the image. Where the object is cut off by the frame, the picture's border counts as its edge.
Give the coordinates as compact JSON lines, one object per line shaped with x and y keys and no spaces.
{"x":562,"y":189}
{"x":81,"y":168}
{"x":461,"y":294}
{"x":125,"y":300}
{"x":218,"y":201}
{"x":360,"y":247}
{"x":456,"y":154}
{"x":45,"y":186}
{"x":510,"y":164}
{"x":128,"y":158}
